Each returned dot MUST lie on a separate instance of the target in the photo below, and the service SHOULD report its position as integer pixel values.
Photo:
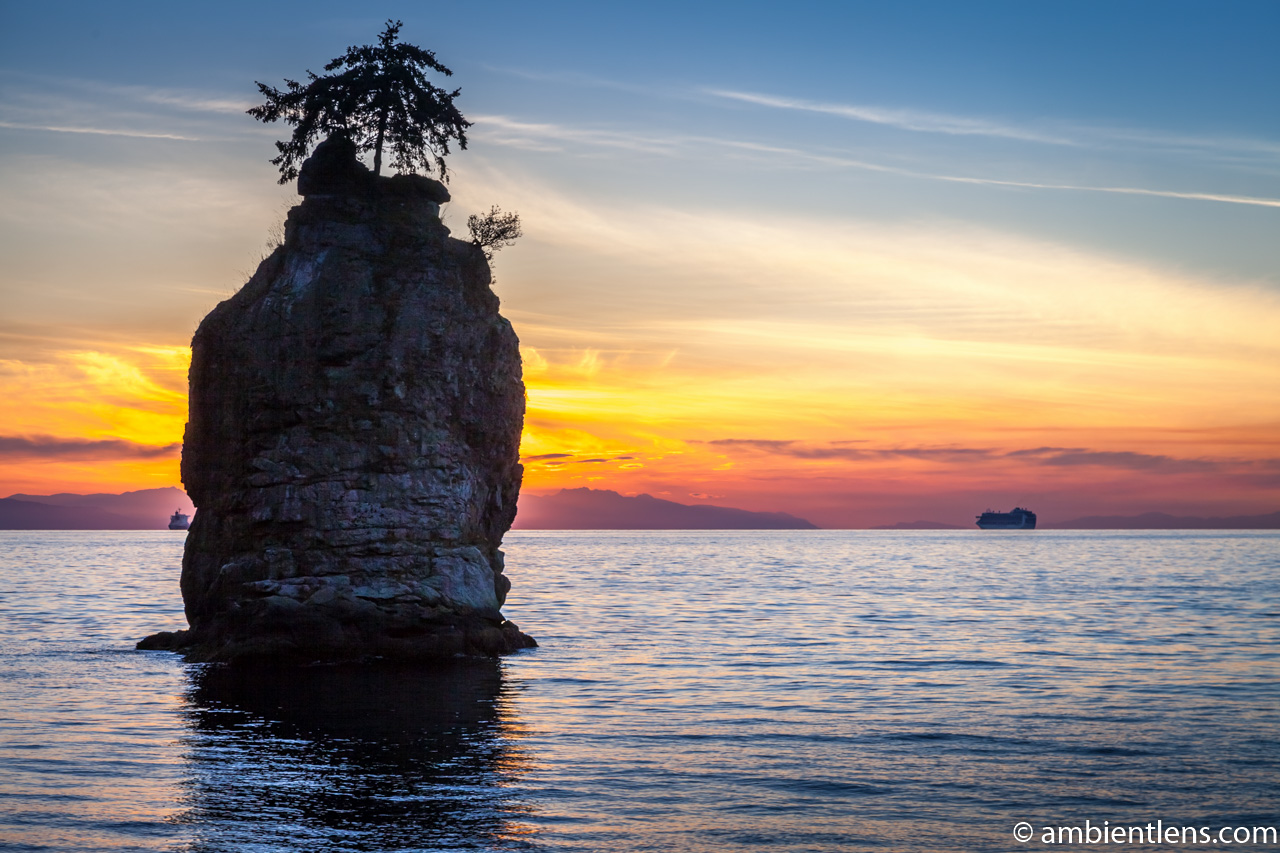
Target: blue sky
(703, 186)
(1166, 97)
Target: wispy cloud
(865, 165)
(1063, 132)
(101, 131)
(904, 119)
(189, 100)
(549, 136)
(562, 459)
(51, 104)
(842, 450)
(186, 99)
(1067, 133)
(846, 162)
(753, 443)
(51, 447)
(1222, 197)
(1151, 463)
(545, 136)
(1129, 460)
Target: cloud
(51, 447)
(862, 280)
(1054, 456)
(101, 131)
(1061, 133)
(186, 99)
(754, 443)
(1051, 133)
(601, 459)
(556, 459)
(864, 165)
(1220, 197)
(1128, 460)
(502, 130)
(191, 101)
(1043, 451)
(48, 104)
(553, 137)
(842, 450)
(904, 119)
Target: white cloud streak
(899, 118)
(38, 103)
(550, 137)
(183, 99)
(101, 131)
(1230, 199)
(189, 101)
(1066, 134)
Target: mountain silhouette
(603, 509)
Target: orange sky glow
(846, 421)
(852, 374)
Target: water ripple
(695, 691)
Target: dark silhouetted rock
(352, 445)
(332, 169)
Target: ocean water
(695, 691)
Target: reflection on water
(353, 759)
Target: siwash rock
(352, 447)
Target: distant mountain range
(601, 509)
(568, 509)
(147, 509)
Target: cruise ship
(1019, 519)
(179, 521)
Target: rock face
(352, 448)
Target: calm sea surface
(695, 691)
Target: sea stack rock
(352, 448)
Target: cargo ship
(179, 521)
(1019, 519)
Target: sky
(861, 262)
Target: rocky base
(314, 637)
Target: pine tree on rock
(379, 97)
